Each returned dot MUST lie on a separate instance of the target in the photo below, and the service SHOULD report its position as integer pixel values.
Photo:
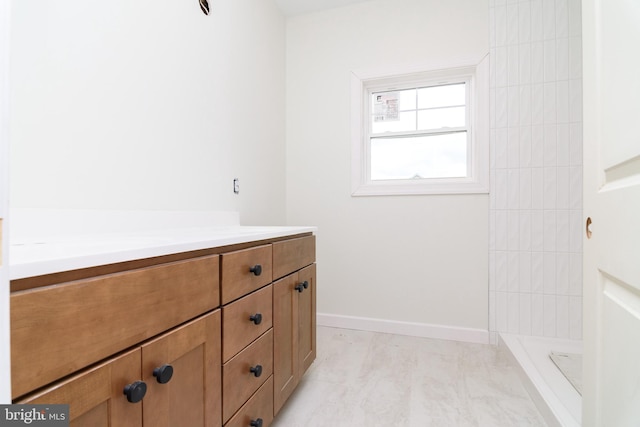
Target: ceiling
(299, 7)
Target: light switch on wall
(236, 185)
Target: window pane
(405, 122)
(442, 96)
(433, 156)
(406, 98)
(441, 118)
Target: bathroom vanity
(210, 330)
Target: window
(420, 133)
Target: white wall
(5, 371)
(419, 259)
(149, 105)
(536, 168)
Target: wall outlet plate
(236, 185)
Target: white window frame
(363, 82)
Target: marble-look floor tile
(370, 379)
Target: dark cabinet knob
(256, 423)
(163, 373)
(256, 269)
(256, 370)
(305, 284)
(256, 318)
(135, 391)
(300, 287)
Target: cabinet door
(285, 339)
(307, 318)
(96, 397)
(191, 396)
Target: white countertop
(36, 257)
(34, 252)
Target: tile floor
(371, 379)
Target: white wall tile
(575, 144)
(562, 273)
(513, 147)
(562, 145)
(501, 107)
(549, 313)
(502, 230)
(513, 232)
(492, 236)
(550, 60)
(513, 273)
(562, 191)
(492, 189)
(513, 62)
(525, 189)
(492, 107)
(492, 310)
(501, 66)
(513, 186)
(537, 315)
(537, 146)
(537, 21)
(525, 272)
(562, 317)
(525, 314)
(501, 189)
(562, 59)
(537, 62)
(576, 224)
(537, 104)
(562, 101)
(550, 230)
(575, 274)
(524, 66)
(492, 68)
(524, 22)
(575, 100)
(492, 148)
(513, 313)
(575, 318)
(500, 25)
(549, 190)
(549, 273)
(549, 113)
(562, 231)
(502, 160)
(575, 187)
(549, 19)
(492, 27)
(500, 3)
(525, 104)
(501, 271)
(537, 231)
(512, 24)
(575, 57)
(525, 230)
(501, 311)
(513, 105)
(562, 19)
(537, 188)
(575, 18)
(525, 146)
(537, 272)
(550, 145)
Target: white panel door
(611, 41)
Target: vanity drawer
(59, 329)
(259, 407)
(291, 255)
(245, 320)
(238, 381)
(245, 271)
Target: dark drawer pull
(256, 269)
(135, 391)
(256, 318)
(256, 423)
(163, 373)
(256, 370)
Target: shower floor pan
(553, 394)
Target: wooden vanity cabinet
(199, 340)
(294, 320)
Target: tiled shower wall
(535, 250)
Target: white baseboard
(423, 330)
